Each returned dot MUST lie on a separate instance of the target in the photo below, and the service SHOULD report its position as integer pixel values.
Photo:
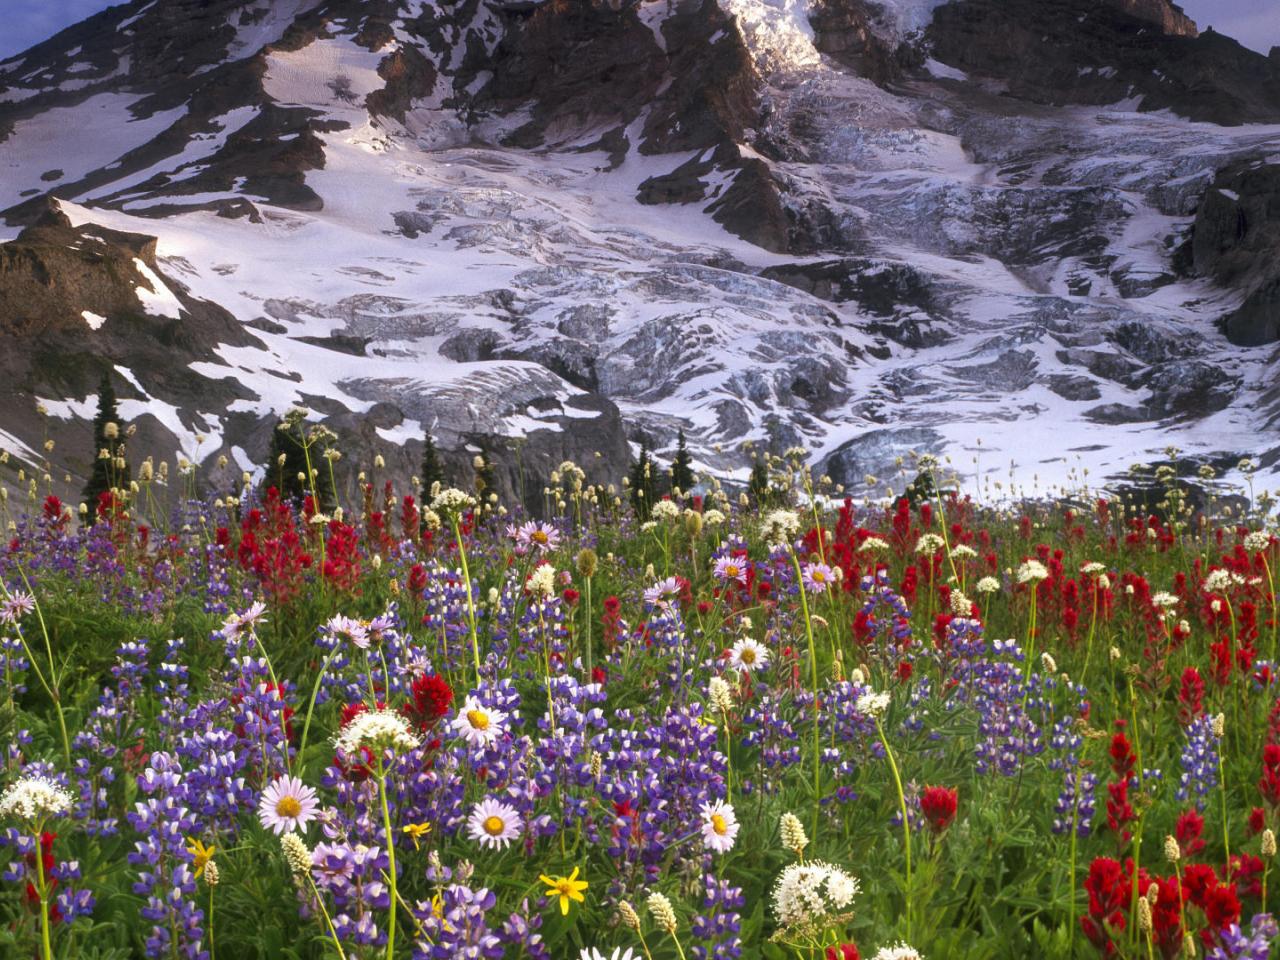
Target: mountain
(1039, 231)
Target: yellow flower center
(478, 719)
(747, 655)
(493, 826)
(563, 887)
(819, 576)
(538, 536)
(731, 571)
(719, 825)
(288, 806)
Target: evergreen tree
(432, 471)
(682, 467)
(110, 471)
(644, 485)
(758, 483)
(293, 442)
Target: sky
(1255, 23)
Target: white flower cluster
(929, 544)
(807, 893)
(873, 704)
(899, 951)
(452, 502)
(713, 518)
(781, 527)
(1257, 540)
(34, 798)
(1033, 571)
(987, 585)
(376, 730)
(665, 511)
(1219, 581)
(873, 545)
(542, 582)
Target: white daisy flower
(748, 654)
(719, 826)
(494, 823)
(479, 725)
(619, 953)
(288, 804)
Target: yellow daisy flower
(201, 855)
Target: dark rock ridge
(1236, 241)
(1082, 51)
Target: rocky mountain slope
(1039, 231)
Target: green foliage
(110, 469)
(299, 451)
(431, 472)
(682, 466)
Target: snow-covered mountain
(1039, 231)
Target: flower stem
(906, 822)
(391, 860)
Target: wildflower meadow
(774, 723)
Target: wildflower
(1257, 540)
(246, 622)
(987, 585)
(780, 528)
(1093, 567)
(16, 606)
(288, 804)
(1046, 660)
(899, 951)
(793, 836)
(479, 725)
(494, 823)
(416, 831)
(719, 826)
(296, 855)
(542, 582)
(353, 631)
(1218, 581)
(817, 577)
(661, 911)
(211, 873)
(873, 545)
(929, 544)
(201, 856)
(963, 551)
(749, 654)
(1165, 600)
(961, 605)
(587, 562)
(1032, 571)
(34, 798)
(628, 916)
(730, 568)
(665, 510)
(938, 804)
(619, 953)
(873, 704)
(806, 893)
(539, 536)
(1268, 843)
(1172, 852)
(720, 695)
(376, 730)
(713, 518)
(662, 593)
(566, 888)
(452, 502)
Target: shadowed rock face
(1078, 51)
(1236, 241)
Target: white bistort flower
(987, 585)
(494, 823)
(1032, 571)
(873, 704)
(899, 951)
(479, 725)
(806, 893)
(452, 502)
(542, 582)
(719, 826)
(376, 730)
(781, 527)
(929, 544)
(34, 798)
(665, 511)
(1257, 540)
